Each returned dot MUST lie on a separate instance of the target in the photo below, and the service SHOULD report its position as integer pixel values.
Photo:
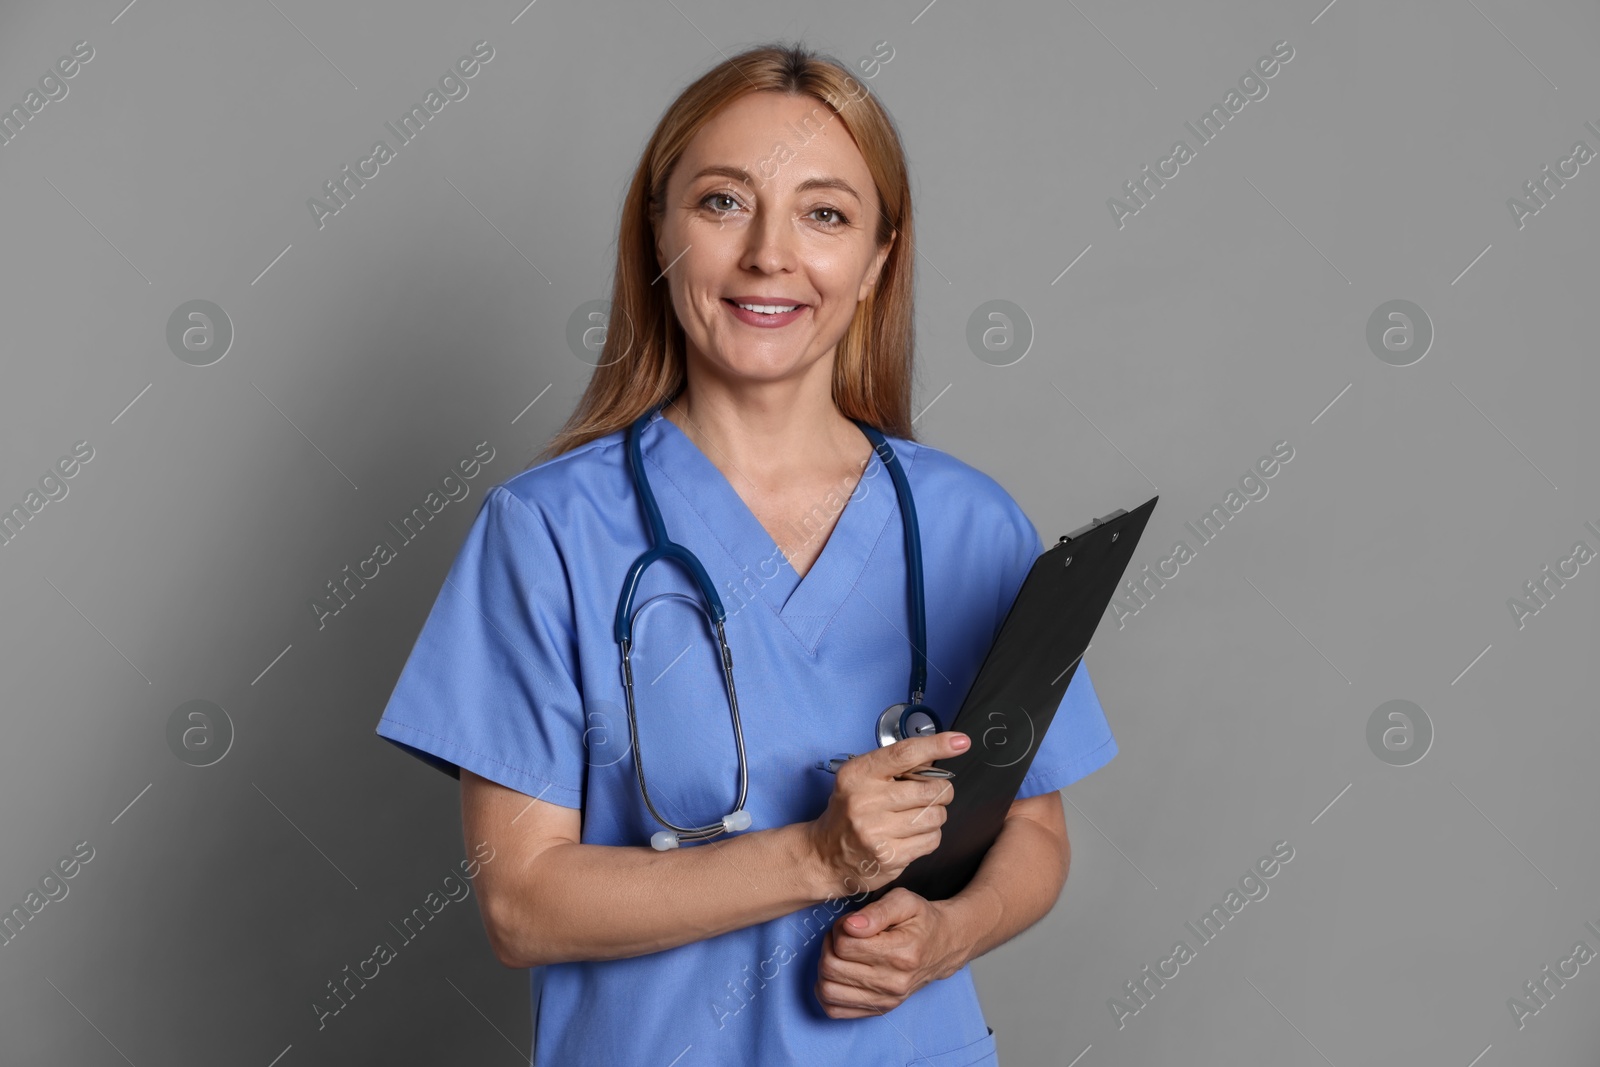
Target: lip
(747, 298)
(755, 318)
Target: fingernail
(856, 921)
(960, 741)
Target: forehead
(781, 137)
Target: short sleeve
(491, 682)
(1078, 743)
(1079, 739)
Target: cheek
(840, 299)
(697, 298)
(842, 274)
(687, 279)
(700, 273)
(696, 303)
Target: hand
(876, 824)
(906, 942)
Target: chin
(759, 372)
(756, 368)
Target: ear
(878, 261)
(657, 227)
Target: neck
(768, 433)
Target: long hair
(642, 360)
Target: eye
(836, 221)
(733, 203)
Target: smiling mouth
(765, 309)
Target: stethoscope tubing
(689, 833)
(913, 540)
(663, 547)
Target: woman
(762, 304)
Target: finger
(895, 906)
(883, 951)
(840, 948)
(860, 987)
(849, 1013)
(914, 793)
(869, 976)
(841, 1002)
(913, 752)
(892, 856)
(902, 852)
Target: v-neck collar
(805, 605)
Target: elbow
(516, 963)
(507, 948)
(1066, 862)
(525, 924)
(512, 936)
(511, 956)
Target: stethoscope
(898, 721)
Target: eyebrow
(739, 174)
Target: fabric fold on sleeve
(491, 683)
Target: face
(771, 204)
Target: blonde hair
(642, 361)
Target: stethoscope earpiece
(666, 840)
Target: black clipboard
(1017, 691)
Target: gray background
(1229, 314)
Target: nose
(769, 247)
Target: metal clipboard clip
(1101, 521)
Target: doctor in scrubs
(762, 301)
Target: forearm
(602, 902)
(1015, 886)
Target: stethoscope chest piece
(900, 721)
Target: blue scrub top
(516, 675)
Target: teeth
(769, 309)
